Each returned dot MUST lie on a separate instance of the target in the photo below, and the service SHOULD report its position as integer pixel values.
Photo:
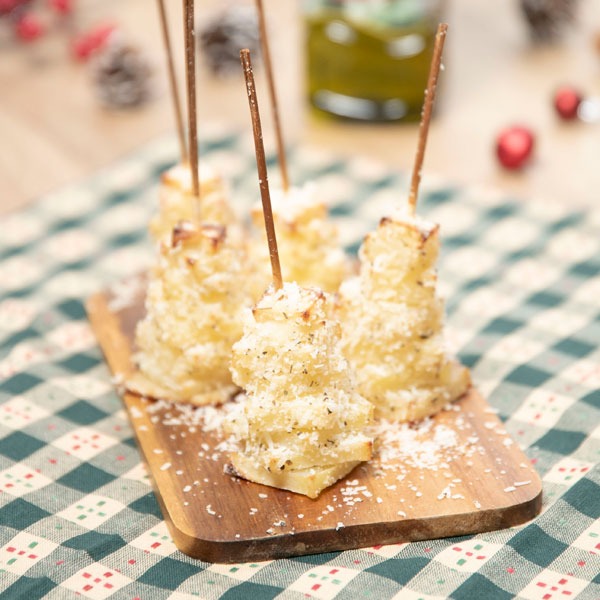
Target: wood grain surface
(456, 474)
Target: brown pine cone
(548, 18)
(121, 75)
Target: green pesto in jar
(369, 59)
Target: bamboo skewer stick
(434, 71)
(264, 44)
(261, 165)
(190, 72)
(173, 83)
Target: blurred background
(83, 83)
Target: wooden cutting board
(456, 474)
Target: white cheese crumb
(135, 412)
(339, 526)
(510, 488)
(166, 466)
(520, 483)
(209, 510)
(446, 493)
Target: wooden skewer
(261, 165)
(434, 71)
(190, 78)
(264, 44)
(173, 83)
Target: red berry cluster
(27, 24)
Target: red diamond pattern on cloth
(24, 551)
(20, 412)
(20, 479)
(468, 556)
(84, 443)
(96, 582)
(550, 585)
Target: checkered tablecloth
(77, 514)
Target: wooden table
(53, 130)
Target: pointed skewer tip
(430, 90)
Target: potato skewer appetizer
(391, 315)
(194, 300)
(308, 243)
(303, 425)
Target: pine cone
(121, 75)
(547, 18)
(222, 38)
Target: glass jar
(369, 59)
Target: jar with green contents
(369, 59)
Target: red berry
(95, 39)
(566, 102)
(64, 7)
(81, 48)
(514, 146)
(29, 28)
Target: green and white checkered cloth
(77, 514)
